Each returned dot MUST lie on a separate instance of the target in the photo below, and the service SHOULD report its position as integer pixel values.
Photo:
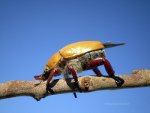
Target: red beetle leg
(73, 72)
(93, 65)
(52, 73)
(40, 77)
(101, 61)
(109, 68)
(119, 81)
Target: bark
(138, 78)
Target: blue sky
(33, 30)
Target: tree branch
(138, 78)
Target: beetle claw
(49, 90)
(76, 84)
(119, 81)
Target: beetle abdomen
(80, 63)
(85, 59)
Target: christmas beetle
(78, 57)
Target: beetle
(78, 57)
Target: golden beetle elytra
(77, 57)
(74, 50)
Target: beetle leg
(95, 63)
(39, 79)
(74, 74)
(111, 72)
(97, 72)
(101, 61)
(52, 73)
(108, 68)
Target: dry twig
(138, 78)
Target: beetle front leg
(39, 78)
(52, 73)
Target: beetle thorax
(79, 63)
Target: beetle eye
(46, 70)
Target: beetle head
(46, 71)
